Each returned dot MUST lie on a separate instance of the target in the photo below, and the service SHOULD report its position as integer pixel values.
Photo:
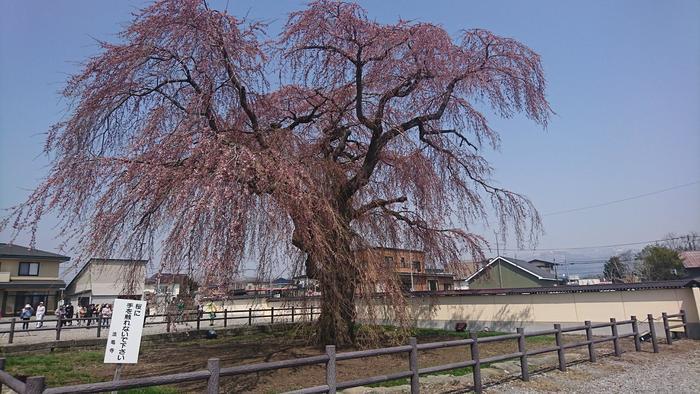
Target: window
(403, 263)
(388, 262)
(446, 286)
(416, 266)
(28, 269)
(163, 289)
(433, 285)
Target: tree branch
(378, 203)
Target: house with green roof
(507, 273)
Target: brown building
(691, 263)
(410, 266)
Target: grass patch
(60, 368)
(68, 368)
(435, 332)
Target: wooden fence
(213, 374)
(249, 316)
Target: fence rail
(214, 373)
(253, 316)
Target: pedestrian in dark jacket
(88, 314)
(69, 314)
(96, 313)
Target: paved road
(70, 333)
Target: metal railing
(213, 374)
(250, 316)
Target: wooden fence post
(524, 373)
(652, 332)
(59, 324)
(99, 327)
(34, 385)
(684, 320)
(199, 320)
(667, 330)
(589, 338)
(250, 316)
(413, 364)
(616, 338)
(225, 316)
(560, 348)
(12, 329)
(2, 368)
(213, 382)
(635, 330)
(477, 364)
(272, 315)
(312, 313)
(330, 369)
(292, 314)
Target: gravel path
(675, 369)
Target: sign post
(125, 330)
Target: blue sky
(624, 80)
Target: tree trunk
(337, 273)
(336, 325)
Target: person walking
(88, 315)
(180, 310)
(212, 312)
(25, 315)
(40, 312)
(81, 314)
(69, 314)
(95, 310)
(60, 316)
(106, 314)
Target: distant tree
(369, 134)
(682, 243)
(615, 269)
(660, 263)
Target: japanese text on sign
(125, 331)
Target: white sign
(125, 331)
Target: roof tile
(691, 259)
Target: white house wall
(111, 278)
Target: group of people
(65, 315)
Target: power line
(593, 247)
(621, 200)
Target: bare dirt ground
(166, 358)
(193, 356)
(676, 369)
